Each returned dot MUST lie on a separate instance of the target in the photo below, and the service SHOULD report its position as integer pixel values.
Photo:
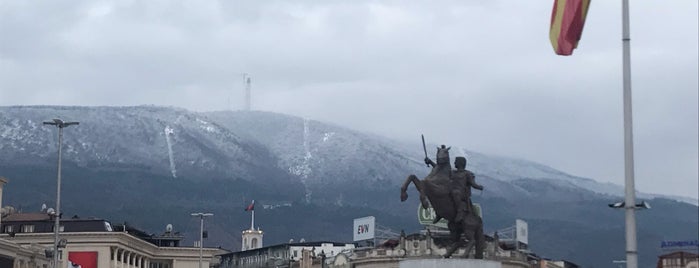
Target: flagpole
(630, 196)
(252, 222)
(252, 217)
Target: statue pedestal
(449, 263)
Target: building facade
(13, 255)
(678, 259)
(94, 242)
(418, 246)
(115, 250)
(284, 255)
(252, 239)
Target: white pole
(56, 228)
(252, 222)
(57, 224)
(630, 197)
(201, 216)
(201, 238)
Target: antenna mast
(246, 77)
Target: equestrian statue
(449, 193)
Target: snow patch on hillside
(169, 131)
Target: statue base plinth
(449, 263)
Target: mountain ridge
(175, 119)
(477, 162)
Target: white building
(282, 255)
(252, 239)
(115, 249)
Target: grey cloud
(480, 74)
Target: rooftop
(26, 217)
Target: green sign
(426, 216)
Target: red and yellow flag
(567, 21)
(251, 206)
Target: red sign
(82, 259)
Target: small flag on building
(251, 206)
(567, 21)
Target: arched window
(254, 243)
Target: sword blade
(424, 148)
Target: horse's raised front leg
(404, 188)
(418, 185)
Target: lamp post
(201, 216)
(60, 124)
(631, 254)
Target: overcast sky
(479, 74)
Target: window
(28, 228)
(254, 243)
(8, 229)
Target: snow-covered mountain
(167, 141)
(318, 152)
(322, 157)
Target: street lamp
(201, 216)
(642, 205)
(631, 255)
(60, 125)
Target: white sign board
(364, 228)
(426, 216)
(522, 231)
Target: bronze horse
(437, 187)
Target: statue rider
(463, 180)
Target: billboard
(364, 228)
(425, 216)
(82, 259)
(522, 231)
(689, 245)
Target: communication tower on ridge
(248, 100)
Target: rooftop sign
(364, 228)
(680, 244)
